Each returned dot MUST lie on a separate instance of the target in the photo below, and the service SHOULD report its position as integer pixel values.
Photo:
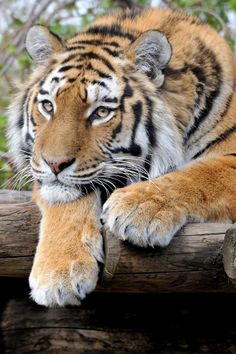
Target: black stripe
(199, 73)
(33, 121)
(72, 79)
(30, 94)
(28, 138)
(94, 42)
(110, 99)
(133, 150)
(113, 53)
(147, 164)
(128, 92)
(26, 151)
(220, 138)
(43, 92)
(116, 130)
(204, 112)
(66, 68)
(113, 30)
(234, 154)
(70, 57)
(75, 47)
(223, 114)
(79, 67)
(85, 95)
(84, 80)
(149, 126)
(175, 73)
(151, 133)
(56, 79)
(20, 120)
(100, 83)
(137, 111)
(91, 55)
(56, 36)
(206, 54)
(99, 72)
(113, 43)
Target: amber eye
(47, 106)
(102, 112)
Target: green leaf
(11, 48)
(18, 22)
(233, 4)
(24, 60)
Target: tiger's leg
(150, 213)
(70, 246)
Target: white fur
(56, 193)
(168, 154)
(62, 291)
(96, 94)
(141, 138)
(15, 134)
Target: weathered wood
(109, 323)
(192, 262)
(229, 253)
(12, 196)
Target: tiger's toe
(142, 219)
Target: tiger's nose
(58, 165)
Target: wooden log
(229, 253)
(191, 263)
(164, 324)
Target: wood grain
(229, 253)
(163, 324)
(192, 262)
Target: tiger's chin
(58, 193)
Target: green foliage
(3, 120)
(11, 48)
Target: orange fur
(66, 259)
(178, 109)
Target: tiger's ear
(151, 52)
(42, 43)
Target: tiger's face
(87, 117)
(78, 137)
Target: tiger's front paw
(61, 277)
(143, 214)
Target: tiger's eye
(47, 106)
(102, 112)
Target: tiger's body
(145, 97)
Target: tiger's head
(90, 115)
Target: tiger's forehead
(89, 83)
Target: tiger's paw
(143, 215)
(65, 278)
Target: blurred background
(66, 17)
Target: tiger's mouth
(67, 186)
(62, 191)
(58, 193)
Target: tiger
(129, 125)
